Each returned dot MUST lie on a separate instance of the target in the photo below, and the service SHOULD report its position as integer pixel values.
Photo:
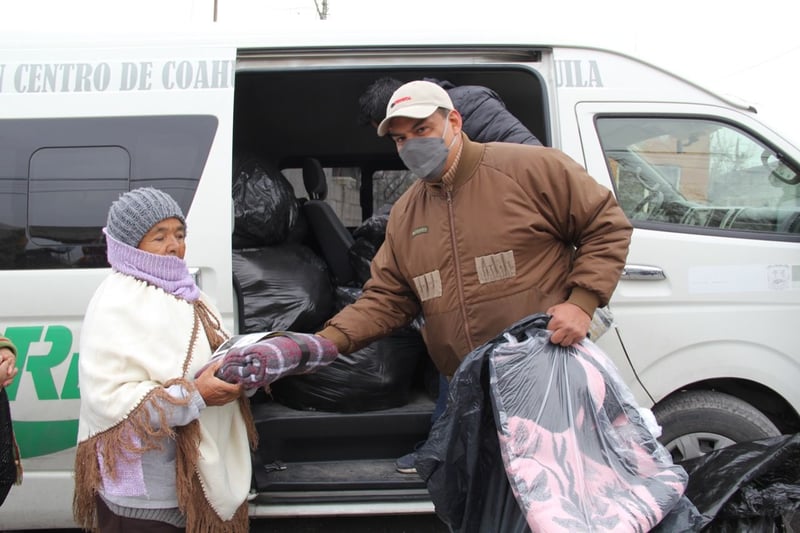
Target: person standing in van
(10, 464)
(484, 115)
(157, 449)
(489, 234)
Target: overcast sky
(748, 49)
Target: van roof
(331, 35)
(311, 33)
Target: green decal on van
(44, 437)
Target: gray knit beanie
(137, 211)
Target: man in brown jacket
(489, 234)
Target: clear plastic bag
(576, 452)
(602, 320)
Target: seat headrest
(314, 179)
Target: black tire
(698, 422)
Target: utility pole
(323, 12)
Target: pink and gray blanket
(575, 452)
(556, 432)
(258, 359)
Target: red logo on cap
(400, 100)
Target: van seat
(332, 236)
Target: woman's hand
(214, 390)
(8, 367)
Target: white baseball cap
(415, 99)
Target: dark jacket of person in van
(485, 116)
(509, 231)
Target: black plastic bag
(284, 287)
(378, 376)
(344, 296)
(373, 229)
(749, 487)
(265, 208)
(360, 255)
(368, 237)
(462, 452)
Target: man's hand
(214, 390)
(569, 324)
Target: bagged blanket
(577, 452)
(575, 449)
(258, 359)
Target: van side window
(341, 191)
(83, 178)
(59, 176)
(699, 175)
(388, 186)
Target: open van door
(708, 301)
(80, 124)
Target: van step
(334, 476)
(297, 437)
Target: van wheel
(695, 423)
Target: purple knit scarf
(166, 272)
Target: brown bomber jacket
(516, 230)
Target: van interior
(302, 125)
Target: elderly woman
(158, 450)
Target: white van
(703, 314)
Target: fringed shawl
(137, 340)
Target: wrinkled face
(165, 238)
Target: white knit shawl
(136, 337)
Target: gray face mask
(426, 156)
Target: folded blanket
(256, 360)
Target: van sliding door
(82, 124)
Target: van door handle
(642, 273)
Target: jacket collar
(471, 155)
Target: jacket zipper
(457, 265)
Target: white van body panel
(716, 307)
(730, 333)
(43, 82)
